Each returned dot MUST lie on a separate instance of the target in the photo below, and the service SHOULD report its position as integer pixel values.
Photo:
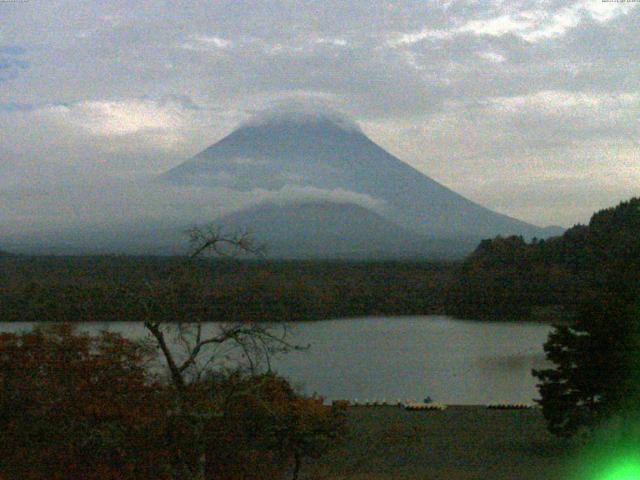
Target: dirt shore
(459, 443)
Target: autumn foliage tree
(77, 406)
(267, 430)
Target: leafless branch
(212, 239)
(257, 342)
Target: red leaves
(267, 425)
(75, 406)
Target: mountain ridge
(318, 151)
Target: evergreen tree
(597, 359)
(597, 363)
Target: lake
(452, 361)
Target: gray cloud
(495, 99)
(302, 108)
(11, 61)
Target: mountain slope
(335, 230)
(317, 151)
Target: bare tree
(256, 342)
(190, 358)
(197, 348)
(212, 239)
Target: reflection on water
(538, 360)
(452, 361)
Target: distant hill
(335, 230)
(329, 157)
(148, 236)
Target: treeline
(128, 288)
(511, 277)
(504, 278)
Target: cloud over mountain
(475, 94)
(302, 150)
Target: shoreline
(459, 443)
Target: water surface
(452, 361)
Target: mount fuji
(348, 197)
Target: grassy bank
(460, 443)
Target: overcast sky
(530, 108)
